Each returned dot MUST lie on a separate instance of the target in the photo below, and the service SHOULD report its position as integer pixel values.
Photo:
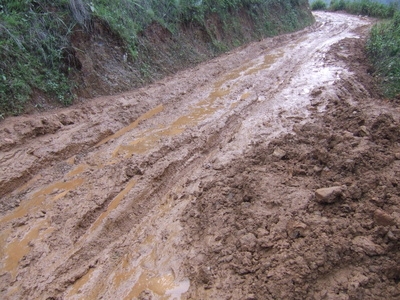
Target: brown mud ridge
(271, 172)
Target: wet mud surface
(271, 172)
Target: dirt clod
(329, 194)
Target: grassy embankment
(36, 47)
(383, 45)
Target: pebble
(329, 194)
(132, 171)
(363, 131)
(279, 153)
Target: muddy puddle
(85, 228)
(218, 99)
(153, 273)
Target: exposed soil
(271, 172)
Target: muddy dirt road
(207, 185)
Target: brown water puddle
(199, 112)
(18, 248)
(28, 184)
(113, 204)
(299, 41)
(75, 290)
(15, 250)
(133, 125)
(202, 110)
(78, 170)
(36, 201)
(268, 61)
(158, 284)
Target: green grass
(319, 5)
(364, 7)
(31, 41)
(383, 45)
(35, 36)
(383, 49)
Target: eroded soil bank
(269, 173)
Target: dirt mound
(266, 229)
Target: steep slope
(56, 52)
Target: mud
(271, 172)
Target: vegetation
(383, 48)
(35, 35)
(319, 5)
(364, 7)
(372, 8)
(383, 45)
(32, 38)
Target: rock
(248, 242)
(217, 165)
(363, 131)
(397, 155)
(9, 141)
(366, 245)
(329, 195)
(251, 297)
(383, 219)
(132, 171)
(317, 169)
(279, 153)
(261, 98)
(316, 92)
